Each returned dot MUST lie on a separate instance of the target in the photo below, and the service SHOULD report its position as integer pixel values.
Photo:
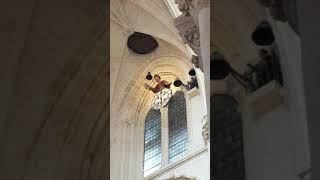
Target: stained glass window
(178, 134)
(152, 142)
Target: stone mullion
(164, 137)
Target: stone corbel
(205, 130)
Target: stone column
(201, 15)
(164, 137)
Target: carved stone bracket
(189, 33)
(205, 129)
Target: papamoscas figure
(162, 92)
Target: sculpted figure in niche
(162, 84)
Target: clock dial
(161, 98)
(166, 95)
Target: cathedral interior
(159, 90)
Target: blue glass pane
(178, 133)
(152, 142)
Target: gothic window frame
(164, 111)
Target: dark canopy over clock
(142, 43)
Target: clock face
(165, 96)
(161, 98)
(156, 102)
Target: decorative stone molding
(188, 27)
(205, 129)
(189, 33)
